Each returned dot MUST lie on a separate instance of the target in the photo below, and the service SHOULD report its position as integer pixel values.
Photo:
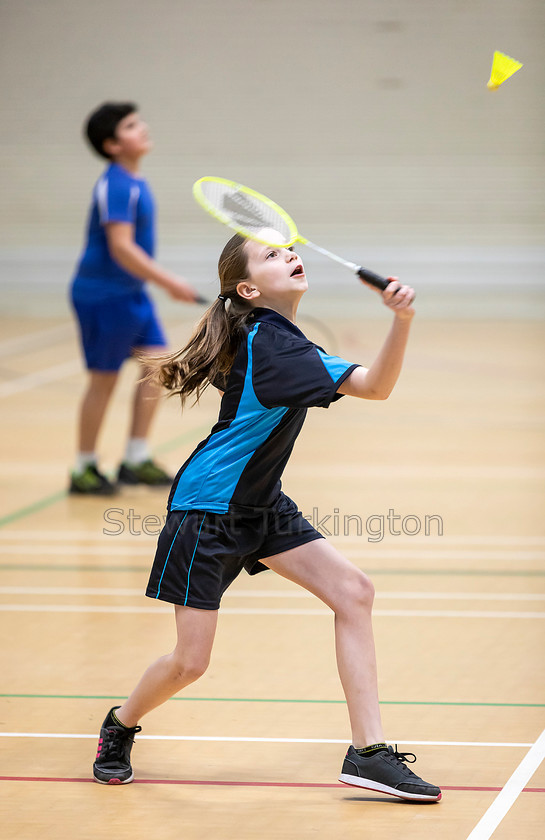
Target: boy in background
(115, 314)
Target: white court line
(404, 541)
(418, 472)
(368, 551)
(40, 377)
(372, 550)
(35, 340)
(105, 550)
(510, 791)
(32, 470)
(68, 536)
(243, 739)
(276, 593)
(435, 543)
(159, 610)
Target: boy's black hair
(102, 123)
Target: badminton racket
(251, 215)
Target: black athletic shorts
(199, 554)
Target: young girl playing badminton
(226, 510)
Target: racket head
(246, 211)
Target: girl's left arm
(377, 382)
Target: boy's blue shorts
(111, 329)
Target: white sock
(83, 460)
(137, 451)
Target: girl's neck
(288, 309)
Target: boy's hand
(180, 290)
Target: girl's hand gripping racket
(249, 213)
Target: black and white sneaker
(148, 472)
(385, 771)
(113, 761)
(91, 482)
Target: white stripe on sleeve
(133, 200)
(102, 199)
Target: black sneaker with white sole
(386, 771)
(113, 761)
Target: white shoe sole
(114, 781)
(369, 784)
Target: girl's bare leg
(169, 674)
(322, 570)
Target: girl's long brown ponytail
(209, 354)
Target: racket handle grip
(373, 279)
(202, 300)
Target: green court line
(59, 567)
(34, 508)
(28, 510)
(275, 700)
(168, 445)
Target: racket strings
(244, 212)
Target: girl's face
(275, 272)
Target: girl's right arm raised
(377, 382)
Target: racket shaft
(331, 256)
(369, 276)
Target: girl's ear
(247, 291)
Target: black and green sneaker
(385, 771)
(148, 472)
(112, 764)
(91, 482)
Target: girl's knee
(358, 591)
(365, 591)
(186, 671)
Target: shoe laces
(117, 740)
(402, 758)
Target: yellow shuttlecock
(503, 66)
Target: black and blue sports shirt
(276, 376)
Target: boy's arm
(377, 382)
(125, 251)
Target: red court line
(240, 784)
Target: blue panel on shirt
(276, 376)
(334, 365)
(210, 479)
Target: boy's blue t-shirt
(118, 196)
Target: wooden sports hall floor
(254, 748)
